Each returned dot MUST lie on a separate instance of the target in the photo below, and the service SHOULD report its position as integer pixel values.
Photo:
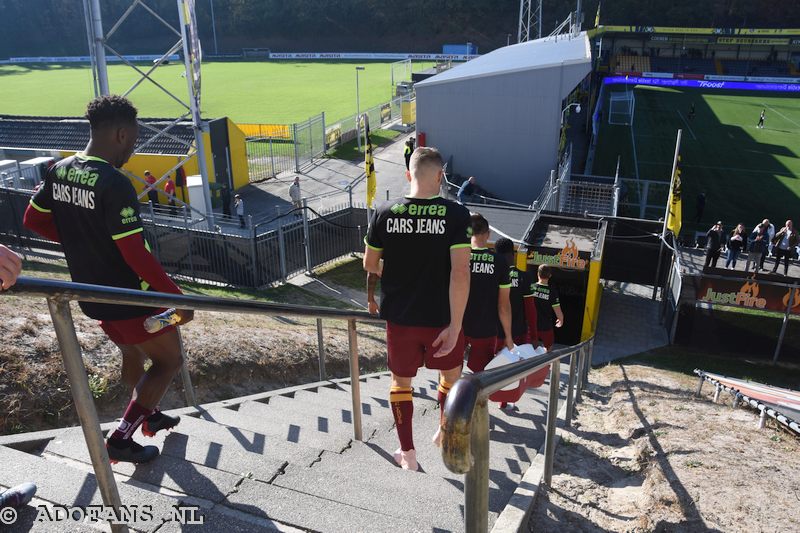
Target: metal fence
(583, 194)
(645, 199)
(284, 147)
(381, 115)
(255, 257)
(20, 178)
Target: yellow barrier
(408, 110)
(275, 131)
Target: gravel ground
(645, 455)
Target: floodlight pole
(98, 44)
(358, 111)
(189, 53)
(214, 27)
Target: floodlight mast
(530, 20)
(97, 51)
(189, 42)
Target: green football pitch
(747, 173)
(254, 92)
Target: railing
(60, 293)
(465, 443)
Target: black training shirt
(546, 298)
(520, 287)
(93, 205)
(416, 236)
(488, 274)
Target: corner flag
(674, 211)
(369, 168)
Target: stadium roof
(70, 134)
(531, 55)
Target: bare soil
(227, 356)
(645, 455)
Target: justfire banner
(750, 294)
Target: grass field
(259, 92)
(747, 173)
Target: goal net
(621, 108)
(400, 71)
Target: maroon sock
(403, 411)
(444, 388)
(134, 415)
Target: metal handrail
(465, 442)
(59, 294)
(49, 288)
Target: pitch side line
(781, 114)
(687, 124)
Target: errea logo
(61, 172)
(128, 215)
(399, 209)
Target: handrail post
(573, 364)
(476, 481)
(587, 364)
(355, 383)
(186, 378)
(552, 414)
(323, 375)
(306, 236)
(579, 375)
(282, 250)
(84, 404)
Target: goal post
(400, 71)
(621, 108)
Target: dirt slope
(644, 455)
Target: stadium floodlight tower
(530, 20)
(189, 42)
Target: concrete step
(193, 454)
(310, 512)
(281, 425)
(389, 491)
(269, 448)
(323, 417)
(61, 484)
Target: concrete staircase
(284, 461)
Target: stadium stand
(630, 63)
(683, 64)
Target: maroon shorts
(411, 348)
(548, 337)
(481, 351)
(131, 330)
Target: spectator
(758, 246)
(737, 241)
(295, 194)
(771, 235)
(700, 206)
(152, 193)
(238, 205)
(169, 188)
(713, 245)
(408, 149)
(784, 244)
(466, 189)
